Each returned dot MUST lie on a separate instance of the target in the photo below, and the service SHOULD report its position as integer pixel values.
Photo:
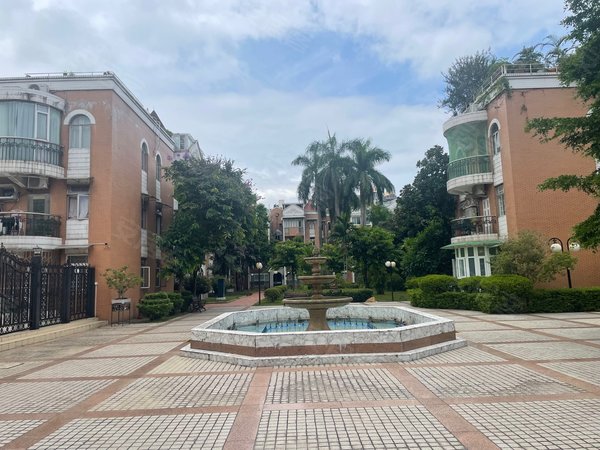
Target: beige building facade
(81, 176)
(496, 167)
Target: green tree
(364, 177)
(380, 216)
(216, 214)
(421, 254)
(529, 256)
(290, 254)
(464, 80)
(580, 134)
(369, 248)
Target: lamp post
(556, 246)
(390, 266)
(259, 266)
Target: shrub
(565, 300)
(444, 300)
(155, 307)
(358, 295)
(504, 294)
(275, 294)
(470, 284)
(434, 284)
(187, 297)
(177, 301)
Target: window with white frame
(145, 274)
(473, 261)
(144, 157)
(500, 200)
(495, 139)
(79, 132)
(78, 202)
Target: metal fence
(33, 295)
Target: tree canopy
(580, 134)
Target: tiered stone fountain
(270, 336)
(317, 305)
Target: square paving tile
(584, 370)
(10, 368)
(548, 350)
(180, 364)
(488, 381)
(542, 323)
(570, 315)
(157, 348)
(92, 368)
(188, 431)
(46, 396)
(478, 326)
(508, 317)
(568, 424)
(334, 385)
(353, 428)
(43, 352)
(158, 337)
(502, 336)
(462, 355)
(180, 392)
(591, 321)
(12, 429)
(586, 333)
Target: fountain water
(241, 337)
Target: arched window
(79, 132)
(495, 138)
(144, 157)
(158, 167)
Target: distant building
(81, 164)
(496, 166)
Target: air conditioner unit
(8, 192)
(37, 182)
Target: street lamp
(390, 266)
(556, 246)
(259, 266)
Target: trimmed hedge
(565, 300)
(504, 294)
(444, 300)
(155, 306)
(177, 300)
(358, 295)
(434, 284)
(275, 293)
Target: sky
(257, 81)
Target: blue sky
(258, 80)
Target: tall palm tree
(369, 182)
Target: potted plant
(121, 280)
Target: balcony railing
(473, 226)
(469, 166)
(29, 224)
(24, 149)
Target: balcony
(465, 173)
(28, 229)
(31, 157)
(477, 228)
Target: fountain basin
(424, 335)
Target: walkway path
(524, 381)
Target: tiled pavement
(524, 381)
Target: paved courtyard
(524, 381)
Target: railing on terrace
(29, 224)
(473, 226)
(469, 166)
(25, 149)
(517, 70)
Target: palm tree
(366, 179)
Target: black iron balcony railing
(473, 226)
(29, 224)
(469, 166)
(25, 149)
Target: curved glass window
(144, 157)
(79, 132)
(29, 120)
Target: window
(500, 200)
(41, 122)
(144, 221)
(158, 167)
(495, 139)
(157, 274)
(158, 220)
(77, 259)
(39, 204)
(79, 132)
(145, 274)
(144, 157)
(29, 120)
(472, 261)
(181, 142)
(78, 202)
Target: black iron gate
(33, 295)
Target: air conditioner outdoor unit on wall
(8, 192)
(37, 182)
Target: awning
(490, 243)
